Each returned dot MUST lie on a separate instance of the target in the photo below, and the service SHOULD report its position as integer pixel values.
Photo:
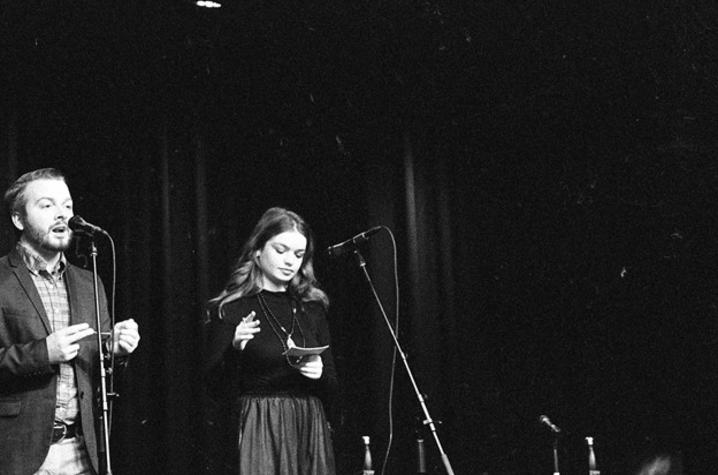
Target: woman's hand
(245, 331)
(311, 366)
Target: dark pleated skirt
(284, 435)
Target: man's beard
(44, 240)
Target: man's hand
(126, 337)
(62, 345)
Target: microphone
(79, 225)
(342, 247)
(543, 419)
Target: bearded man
(49, 361)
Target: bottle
(592, 469)
(420, 456)
(367, 470)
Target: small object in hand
(249, 317)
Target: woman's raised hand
(245, 331)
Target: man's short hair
(15, 194)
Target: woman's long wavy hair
(246, 277)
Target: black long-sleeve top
(261, 367)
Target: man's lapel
(27, 284)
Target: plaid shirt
(51, 286)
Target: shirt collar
(36, 263)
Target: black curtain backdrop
(547, 169)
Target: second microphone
(349, 244)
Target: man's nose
(63, 212)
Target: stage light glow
(208, 4)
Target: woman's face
(280, 259)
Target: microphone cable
(113, 292)
(390, 437)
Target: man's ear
(17, 221)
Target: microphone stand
(555, 455)
(104, 445)
(428, 421)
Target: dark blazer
(27, 380)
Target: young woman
(270, 304)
